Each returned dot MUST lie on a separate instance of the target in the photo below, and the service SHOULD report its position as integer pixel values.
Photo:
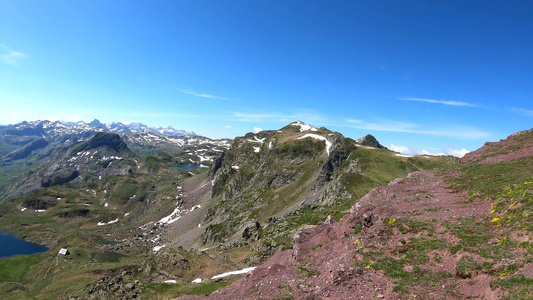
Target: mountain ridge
(463, 233)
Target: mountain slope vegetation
(321, 210)
(460, 234)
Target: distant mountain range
(29, 144)
(116, 127)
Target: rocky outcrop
(274, 173)
(370, 141)
(111, 141)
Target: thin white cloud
(306, 116)
(257, 129)
(10, 57)
(444, 102)
(228, 126)
(164, 115)
(457, 152)
(395, 126)
(401, 149)
(413, 151)
(201, 95)
(523, 111)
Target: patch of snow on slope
(304, 126)
(173, 217)
(257, 149)
(404, 155)
(318, 137)
(110, 222)
(243, 271)
(157, 248)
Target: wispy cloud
(9, 56)
(444, 102)
(306, 116)
(523, 111)
(201, 95)
(164, 115)
(395, 126)
(443, 151)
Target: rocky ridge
(429, 235)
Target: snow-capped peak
(304, 126)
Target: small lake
(189, 167)
(11, 245)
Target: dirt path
(327, 260)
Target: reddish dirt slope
(415, 238)
(516, 146)
(323, 262)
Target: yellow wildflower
(368, 267)
(495, 219)
(392, 221)
(357, 242)
(492, 211)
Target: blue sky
(421, 76)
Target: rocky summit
(295, 213)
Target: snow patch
(197, 280)
(173, 217)
(157, 248)
(304, 126)
(404, 155)
(257, 149)
(110, 222)
(235, 167)
(318, 137)
(260, 140)
(172, 281)
(243, 271)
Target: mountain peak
(371, 141)
(303, 126)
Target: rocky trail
(337, 260)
